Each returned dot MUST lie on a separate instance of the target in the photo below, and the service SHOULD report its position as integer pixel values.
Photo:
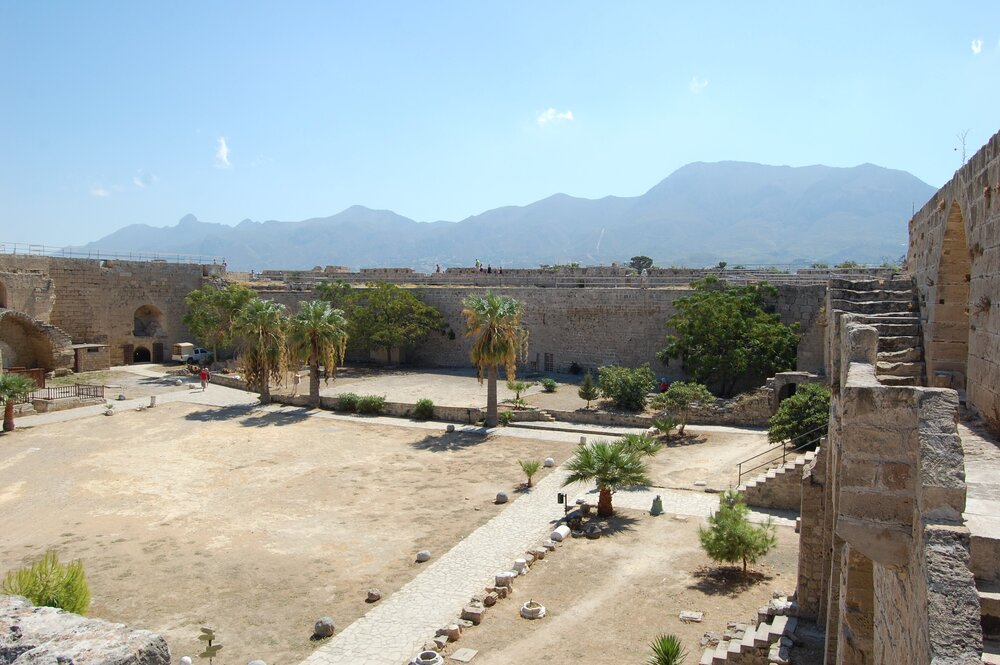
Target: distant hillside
(701, 214)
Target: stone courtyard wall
(954, 256)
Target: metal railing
(64, 392)
(774, 456)
(27, 249)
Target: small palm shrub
(505, 418)
(549, 385)
(666, 650)
(347, 402)
(371, 405)
(51, 584)
(424, 410)
(530, 468)
(665, 425)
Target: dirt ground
(252, 522)
(606, 599)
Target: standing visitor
(204, 376)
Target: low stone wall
(30, 634)
(50, 405)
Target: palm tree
(261, 329)
(12, 388)
(318, 333)
(495, 322)
(612, 466)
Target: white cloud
(143, 179)
(222, 154)
(100, 192)
(977, 46)
(550, 115)
(697, 84)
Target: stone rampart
(954, 256)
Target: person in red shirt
(204, 376)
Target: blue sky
(115, 113)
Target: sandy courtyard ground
(253, 522)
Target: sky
(114, 113)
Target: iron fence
(64, 392)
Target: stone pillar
(813, 560)
(857, 609)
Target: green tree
(680, 397)
(731, 538)
(587, 389)
(211, 311)
(722, 333)
(318, 335)
(666, 650)
(13, 387)
(385, 316)
(49, 583)
(261, 329)
(803, 417)
(612, 466)
(642, 445)
(640, 263)
(339, 294)
(530, 467)
(495, 324)
(626, 387)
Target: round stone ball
(502, 497)
(324, 627)
(423, 555)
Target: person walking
(204, 376)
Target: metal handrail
(785, 451)
(28, 249)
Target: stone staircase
(779, 487)
(891, 307)
(768, 643)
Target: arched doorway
(141, 355)
(948, 325)
(147, 321)
(25, 343)
(786, 391)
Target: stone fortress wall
(954, 258)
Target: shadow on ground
(677, 441)
(449, 441)
(727, 580)
(252, 415)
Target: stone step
(991, 651)
(989, 608)
(707, 656)
(898, 327)
(721, 655)
(900, 369)
(873, 306)
(890, 343)
(890, 380)
(911, 355)
(898, 284)
(746, 644)
(854, 295)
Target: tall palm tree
(12, 388)
(495, 322)
(612, 466)
(318, 334)
(261, 330)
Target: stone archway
(147, 321)
(25, 343)
(141, 355)
(948, 322)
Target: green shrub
(549, 385)
(665, 425)
(371, 405)
(530, 468)
(50, 583)
(730, 536)
(587, 389)
(666, 650)
(681, 397)
(802, 418)
(625, 386)
(505, 418)
(424, 410)
(347, 402)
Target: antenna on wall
(961, 139)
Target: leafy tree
(318, 334)
(339, 294)
(587, 389)
(211, 311)
(495, 323)
(848, 264)
(680, 397)
(424, 409)
(13, 387)
(530, 468)
(722, 333)
(666, 650)
(612, 466)
(386, 316)
(261, 329)
(803, 417)
(625, 386)
(731, 538)
(49, 583)
(640, 263)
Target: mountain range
(701, 214)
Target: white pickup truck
(186, 352)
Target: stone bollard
(453, 631)
(505, 579)
(549, 462)
(521, 566)
(152, 401)
(583, 440)
(560, 533)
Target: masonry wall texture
(954, 256)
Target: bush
(665, 425)
(424, 410)
(587, 389)
(666, 650)
(680, 397)
(505, 418)
(371, 405)
(549, 385)
(530, 468)
(626, 387)
(348, 402)
(51, 584)
(731, 537)
(802, 418)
